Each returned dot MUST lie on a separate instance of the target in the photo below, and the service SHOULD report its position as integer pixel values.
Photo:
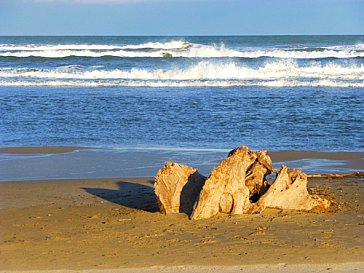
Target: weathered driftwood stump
(177, 187)
(237, 185)
(289, 191)
(225, 189)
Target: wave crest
(203, 73)
(203, 70)
(177, 48)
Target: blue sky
(181, 17)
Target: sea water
(267, 92)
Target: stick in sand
(336, 175)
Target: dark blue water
(275, 119)
(276, 93)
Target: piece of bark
(289, 191)
(177, 187)
(256, 174)
(225, 190)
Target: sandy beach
(160, 136)
(113, 225)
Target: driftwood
(331, 175)
(336, 175)
(225, 190)
(289, 191)
(256, 174)
(237, 185)
(177, 187)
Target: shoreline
(283, 154)
(103, 224)
(57, 162)
(41, 149)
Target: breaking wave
(150, 45)
(202, 70)
(274, 83)
(204, 73)
(177, 48)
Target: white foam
(35, 47)
(175, 44)
(354, 47)
(204, 70)
(177, 48)
(179, 44)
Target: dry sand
(114, 224)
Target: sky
(181, 17)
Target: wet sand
(40, 150)
(45, 163)
(356, 158)
(114, 223)
(353, 160)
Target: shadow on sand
(131, 195)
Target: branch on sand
(336, 175)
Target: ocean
(266, 92)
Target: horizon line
(168, 35)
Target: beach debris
(225, 189)
(336, 175)
(289, 191)
(238, 185)
(177, 187)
